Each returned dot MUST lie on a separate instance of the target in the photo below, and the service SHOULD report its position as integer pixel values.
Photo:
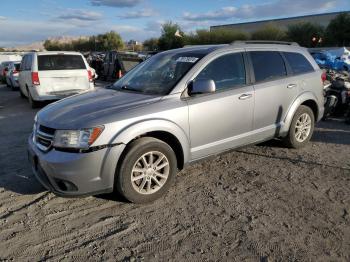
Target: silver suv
(176, 107)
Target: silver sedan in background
(12, 74)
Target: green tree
(219, 36)
(51, 45)
(2, 49)
(151, 44)
(168, 40)
(109, 41)
(269, 32)
(338, 31)
(306, 34)
(102, 42)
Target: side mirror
(201, 86)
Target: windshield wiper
(129, 88)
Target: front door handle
(245, 96)
(291, 85)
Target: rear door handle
(291, 85)
(245, 96)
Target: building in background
(282, 23)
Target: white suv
(175, 108)
(53, 75)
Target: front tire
(301, 128)
(147, 171)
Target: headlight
(79, 139)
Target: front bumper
(75, 174)
(47, 96)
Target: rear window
(268, 65)
(17, 66)
(129, 64)
(60, 62)
(298, 63)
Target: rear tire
(21, 93)
(301, 128)
(12, 86)
(34, 104)
(154, 163)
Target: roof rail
(209, 45)
(265, 42)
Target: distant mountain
(39, 46)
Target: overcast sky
(27, 21)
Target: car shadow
(331, 131)
(22, 184)
(116, 197)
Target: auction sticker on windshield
(184, 59)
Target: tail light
(119, 74)
(35, 78)
(324, 77)
(90, 76)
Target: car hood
(91, 109)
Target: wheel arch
(307, 99)
(163, 130)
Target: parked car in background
(175, 108)
(4, 70)
(116, 64)
(5, 58)
(53, 75)
(8, 56)
(12, 75)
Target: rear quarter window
(22, 63)
(60, 62)
(28, 63)
(298, 63)
(268, 65)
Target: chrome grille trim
(42, 139)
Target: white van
(9, 57)
(53, 75)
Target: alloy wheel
(150, 172)
(303, 127)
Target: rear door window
(268, 65)
(24, 59)
(227, 71)
(28, 63)
(298, 63)
(60, 62)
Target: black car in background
(116, 64)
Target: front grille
(44, 137)
(47, 130)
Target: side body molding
(136, 129)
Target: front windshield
(159, 74)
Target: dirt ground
(260, 203)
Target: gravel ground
(260, 203)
